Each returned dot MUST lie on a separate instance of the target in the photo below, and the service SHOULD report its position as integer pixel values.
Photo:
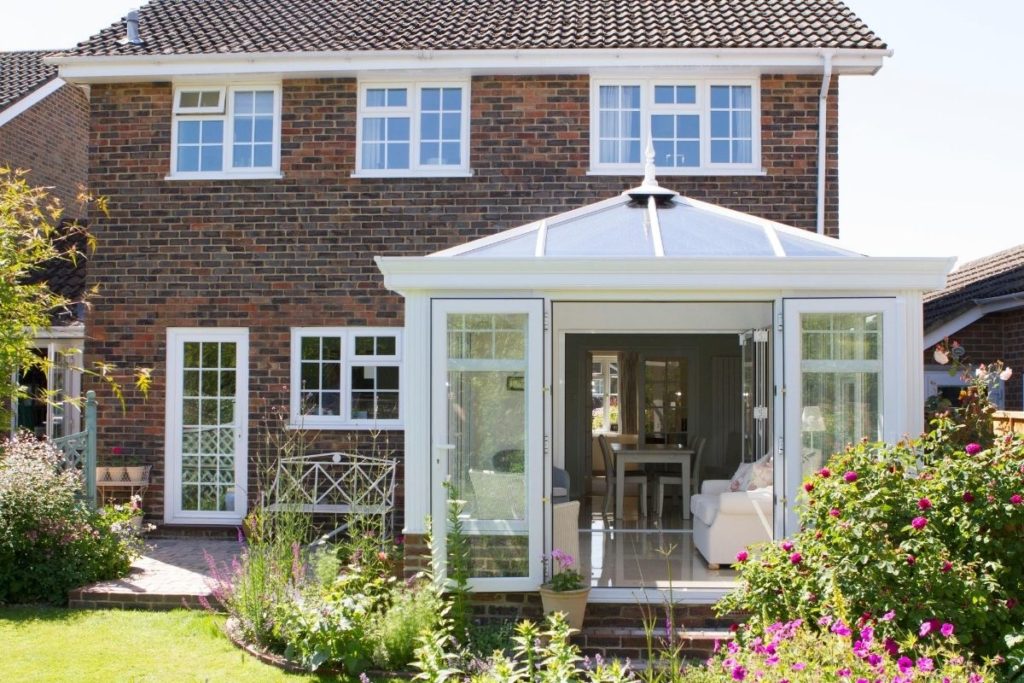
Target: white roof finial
(649, 179)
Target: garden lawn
(53, 644)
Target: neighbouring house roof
(22, 73)
(272, 26)
(66, 277)
(997, 275)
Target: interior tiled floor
(643, 551)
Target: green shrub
(393, 630)
(50, 539)
(927, 529)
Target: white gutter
(826, 82)
(484, 62)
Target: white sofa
(726, 522)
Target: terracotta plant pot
(572, 603)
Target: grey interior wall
(699, 348)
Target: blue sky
(931, 154)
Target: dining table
(672, 454)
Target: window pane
(719, 151)
(398, 156)
(609, 96)
(741, 152)
(631, 124)
(430, 126)
(720, 96)
(688, 153)
(741, 97)
(188, 132)
(212, 132)
(331, 376)
(373, 155)
(189, 98)
(631, 97)
(375, 97)
(264, 102)
(451, 130)
(243, 129)
(387, 405)
(631, 152)
(364, 346)
(209, 98)
(664, 153)
(686, 94)
(661, 126)
(188, 159)
(373, 128)
(310, 375)
(330, 403)
(263, 156)
(451, 154)
(430, 153)
(386, 346)
(243, 102)
(398, 128)
(211, 158)
(397, 97)
(264, 130)
(310, 348)
(719, 124)
(331, 348)
(431, 99)
(664, 94)
(608, 151)
(452, 99)
(363, 378)
(688, 126)
(242, 156)
(609, 124)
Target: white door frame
(892, 350)
(176, 338)
(534, 457)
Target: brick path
(172, 573)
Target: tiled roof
(994, 275)
(246, 26)
(21, 73)
(64, 276)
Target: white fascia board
(981, 308)
(811, 275)
(31, 100)
(483, 62)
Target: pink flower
(1011, 603)
(911, 560)
(564, 559)
(906, 664)
(850, 477)
(808, 486)
(796, 558)
(840, 628)
(891, 647)
(919, 523)
(844, 672)
(116, 450)
(742, 556)
(946, 630)
(924, 504)
(739, 673)
(926, 628)
(973, 448)
(888, 616)
(1015, 499)
(947, 567)
(787, 546)
(924, 664)
(824, 473)
(799, 666)
(1006, 374)
(834, 512)
(968, 497)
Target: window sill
(432, 173)
(264, 175)
(668, 172)
(347, 426)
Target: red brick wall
(997, 336)
(51, 139)
(270, 255)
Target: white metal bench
(335, 484)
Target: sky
(931, 148)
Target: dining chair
(669, 480)
(628, 480)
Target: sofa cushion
(741, 480)
(704, 507)
(762, 473)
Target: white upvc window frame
(348, 359)
(702, 107)
(225, 112)
(413, 110)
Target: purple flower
(968, 497)
(834, 512)
(850, 477)
(1016, 499)
(924, 504)
(947, 567)
(739, 673)
(911, 560)
(926, 628)
(844, 672)
(742, 556)
(825, 473)
(867, 634)
(840, 628)
(888, 616)
(905, 664)
(946, 630)
(796, 558)
(973, 448)
(919, 523)
(564, 559)
(808, 486)
(891, 647)
(874, 659)
(787, 546)
(824, 620)
(924, 664)
(799, 666)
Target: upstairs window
(410, 129)
(226, 132)
(695, 126)
(346, 378)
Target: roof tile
(991, 276)
(21, 73)
(249, 26)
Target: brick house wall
(272, 254)
(50, 139)
(997, 336)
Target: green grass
(52, 644)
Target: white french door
(840, 382)
(206, 427)
(487, 394)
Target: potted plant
(566, 591)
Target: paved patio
(172, 573)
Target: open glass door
(838, 357)
(756, 387)
(487, 429)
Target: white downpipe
(826, 81)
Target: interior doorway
(684, 410)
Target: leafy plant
(567, 578)
(414, 608)
(457, 567)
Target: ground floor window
(346, 378)
(48, 409)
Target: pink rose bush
(929, 534)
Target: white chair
(670, 480)
(726, 522)
(565, 531)
(638, 480)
